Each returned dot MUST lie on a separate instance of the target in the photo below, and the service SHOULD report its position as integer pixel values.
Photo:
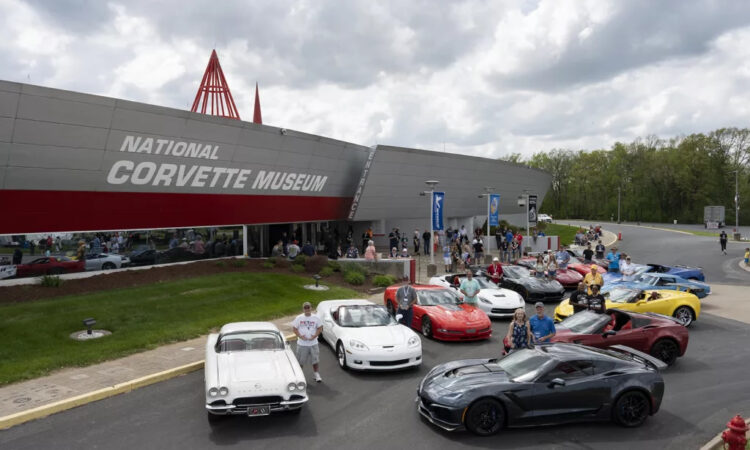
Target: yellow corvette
(683, 306)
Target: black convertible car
(532, 289)
(550, 384)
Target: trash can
(675, 221)
(737, 236)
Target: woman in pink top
(370, 251)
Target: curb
(100, 394)
(744, 266)
(717, 443)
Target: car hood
(269, 369)
(504, 298)
(541, 285)
(390, 335)
(466, 314)
(464, 375)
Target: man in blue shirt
(614, 260)
(542, 327)
(563, 258)
(509, 237)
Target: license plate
(471, 330)
(262, 410)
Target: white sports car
(250, 369)
(106, 261)
(497, 302)
(365, 336)
(7, 271)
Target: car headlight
(357, 345)
(291, 387)
(413, 341)
(213, 392)
(301, 386)
(223, 391)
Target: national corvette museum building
(77, 162)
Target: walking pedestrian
(470, 289)
(519, 332)
(415, 241)
(542, 326)
(722, 241)
(426, 238)
(406, 296)
(747, 255)
(307, 327)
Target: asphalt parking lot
(376, 410)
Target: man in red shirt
(496, 270)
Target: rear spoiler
(641, 357)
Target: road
(366, 411)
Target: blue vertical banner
(494, 210)
(438, 200)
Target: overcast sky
(478, 77)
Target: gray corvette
(549, 384)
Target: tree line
(658, 180)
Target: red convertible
(439, 313)
(567, 277)
(53, 265)
(657, 335)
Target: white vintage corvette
(365, 336)
(250, 369)
(493, 300)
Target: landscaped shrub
(315, 263)
(335, 266)
(325, 272)
(353, 267)
(355, 278)
(221, 264)
(239, 263)
(268, 265)
(297, 268)
(300, 259)
(51, 281)
(383, 280)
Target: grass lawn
(566, 233)
(37, 333)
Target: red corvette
(657, 335)
(440, 314)
(49, 266)
(567, 277)
(583, 269)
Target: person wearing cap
(307, 327)
(470, 288)
(596, 301)
(593, 278)
(406, 296)
(614, 260)
(627, 269)
(495, 270)
(542, 326)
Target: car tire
(215, 419)
(485, 417)
(341, 355)
(108, 266)
(631, 409)
(426, 327)
(391, 309)
(684, 314)
(666, 350)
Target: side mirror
(399, 317)
(556, 382)
(609, 333)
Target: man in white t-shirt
(307, 327)
(627, 270)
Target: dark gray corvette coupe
(549, 384)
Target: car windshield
(524, 365)
(620, 295)
(434, 297)
(483, 282)
(647, 278)
(365, 316)
(515, 271)
(250, 340)
(585, 322)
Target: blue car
(649, 280)
(689, 273)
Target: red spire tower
(257, 118)
(213, 95)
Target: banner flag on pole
(438, 199)
(532, 210)
(494, 210)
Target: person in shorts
(307, 327)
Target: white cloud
(476, 77)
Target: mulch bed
(133, 278)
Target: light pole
(488, 194)
(618, 204)
(431, 184)
(736, 201)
